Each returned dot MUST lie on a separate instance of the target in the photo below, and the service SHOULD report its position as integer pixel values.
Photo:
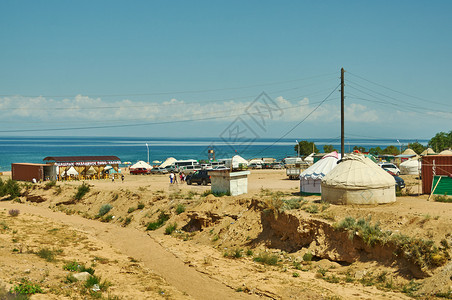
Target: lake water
(35, 149)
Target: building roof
(84, 160)
(81, 158)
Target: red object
(27, 171)
(139, 171)
(434, 165)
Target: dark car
(400, 183)
(199, 177)
(137, 171)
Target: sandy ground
(193, 263)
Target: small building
(29, 171)
(434, 165)
(230, 183)
(82, 164)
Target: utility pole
(342, 112)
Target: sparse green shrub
(104, 209)
(294, 203)
(443, 198)
(26, 287)
(127, 221)
(249, 252)
(49, 185)
(234, 253)
(140, 205)
(106, 219)
(72, 266)
(307, 256)
(422, 253)
(180, 208)
(266, 258)
(170, 228)
(70, 278)
(332, 279)
(131, 210)
(206, 193)
(295, 274)
(13, 212)
(10, 187)
(81, 191)
(312, 209)
(410, 288)
(47, 254)
(159, 223)
(114, 197)
(322, 271)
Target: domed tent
(168, 162)
(311, 178)
(446, 152)
(358, 180)
(428, 151)
(140, 164)
(410, 167)
(310, 158)
(409, 151)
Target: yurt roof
(356, 171)
(322, 167)
(428, 151)
(446, 152)
(410, 162)
(240, 160)
(409, 151)
(168, 162)
(141, 164)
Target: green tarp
(444, 186)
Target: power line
(393, 90)
(299, 123)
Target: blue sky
(191, 68)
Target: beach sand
(211, 258)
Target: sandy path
(140, 246)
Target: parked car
(400, 183)
(220, 168)
(190, 169)
(390, 167)
(254, 166)
(159, 170)
(199, 177)
(170, 168)
(138, 171)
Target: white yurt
(140, 164)
(310, 158)
(311, 178)
(358, 180)
(428, 151)
(168, 162)
(446, 152)
(410, 167)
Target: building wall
(26, 172)
(434, 165)
(235, 183)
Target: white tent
(410, 167)
(168, 162)
(446, 152)
(428, 151)
(358, 180)
(71, 171)
(310, 158)
(237, 160)
(311, 178)
(256, 161)
(140, 164)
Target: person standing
(122, 177)
(171, 177)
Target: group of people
(173, 177)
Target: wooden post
(342, 113)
